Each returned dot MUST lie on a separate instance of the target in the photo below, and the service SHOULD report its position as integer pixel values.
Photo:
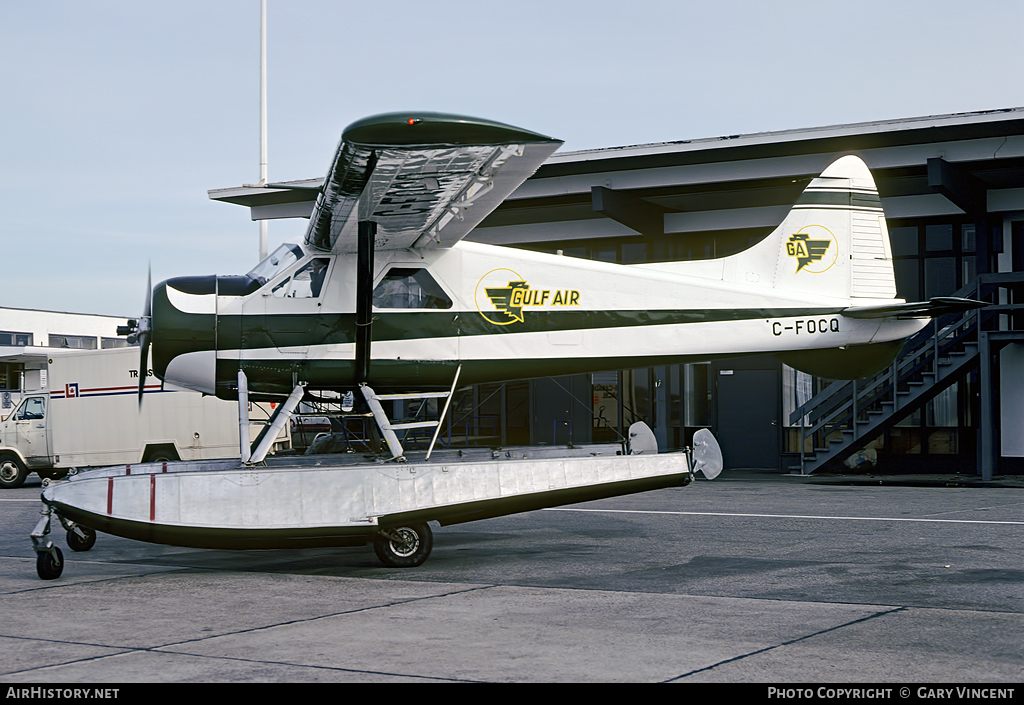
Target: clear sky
(117, 116)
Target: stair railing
(840, 404)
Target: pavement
(882, 479)
(756, 578)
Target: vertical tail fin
(834, 241)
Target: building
(952, 187)
(28, 336)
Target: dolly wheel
(404, 546)
(50, 564)
(83, 541)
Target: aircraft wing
(932, 308)
(426, 179)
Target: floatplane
(385, 295)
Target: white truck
(88, 415)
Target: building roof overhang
(730, 182)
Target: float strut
(280, 418)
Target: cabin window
(404, 287)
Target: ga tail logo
(810, 246)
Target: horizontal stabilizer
(938, 306)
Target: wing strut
(364, 298)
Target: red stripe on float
(110, 495)
(152, 497)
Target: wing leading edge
(426, 179)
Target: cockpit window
(306, 283)
(278, 259)
(405, 287)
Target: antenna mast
(263, 118)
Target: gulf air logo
(502, 295)
(814, 247)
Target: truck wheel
(160, 455)
(12, 472)
(81, 543)
(50, 564)
(404, 546)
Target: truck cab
(25, 442)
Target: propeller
(140, 331)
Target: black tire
(160, 455)
(12, 472)
(79, 543)
(50, 564)
(404, 546)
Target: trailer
(88, 414)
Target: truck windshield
(278, 259)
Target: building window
(933, 259)
(11, 374)
(698, 381)
(107, 343)
(939, 237)
(15, 339)
(76, 342)
(604, 387)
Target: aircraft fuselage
(501, 313)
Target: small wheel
(12, 472)
(81, 543)
(50, 564)
(404, 546)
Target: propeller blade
(149, 291)
(143, 334)
(143, 362)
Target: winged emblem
(506, 302)
(806, 250)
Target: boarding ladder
(387, 428)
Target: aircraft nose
(184, 325)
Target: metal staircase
(846, 415)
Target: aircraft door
(414, 322)
(292, 309)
